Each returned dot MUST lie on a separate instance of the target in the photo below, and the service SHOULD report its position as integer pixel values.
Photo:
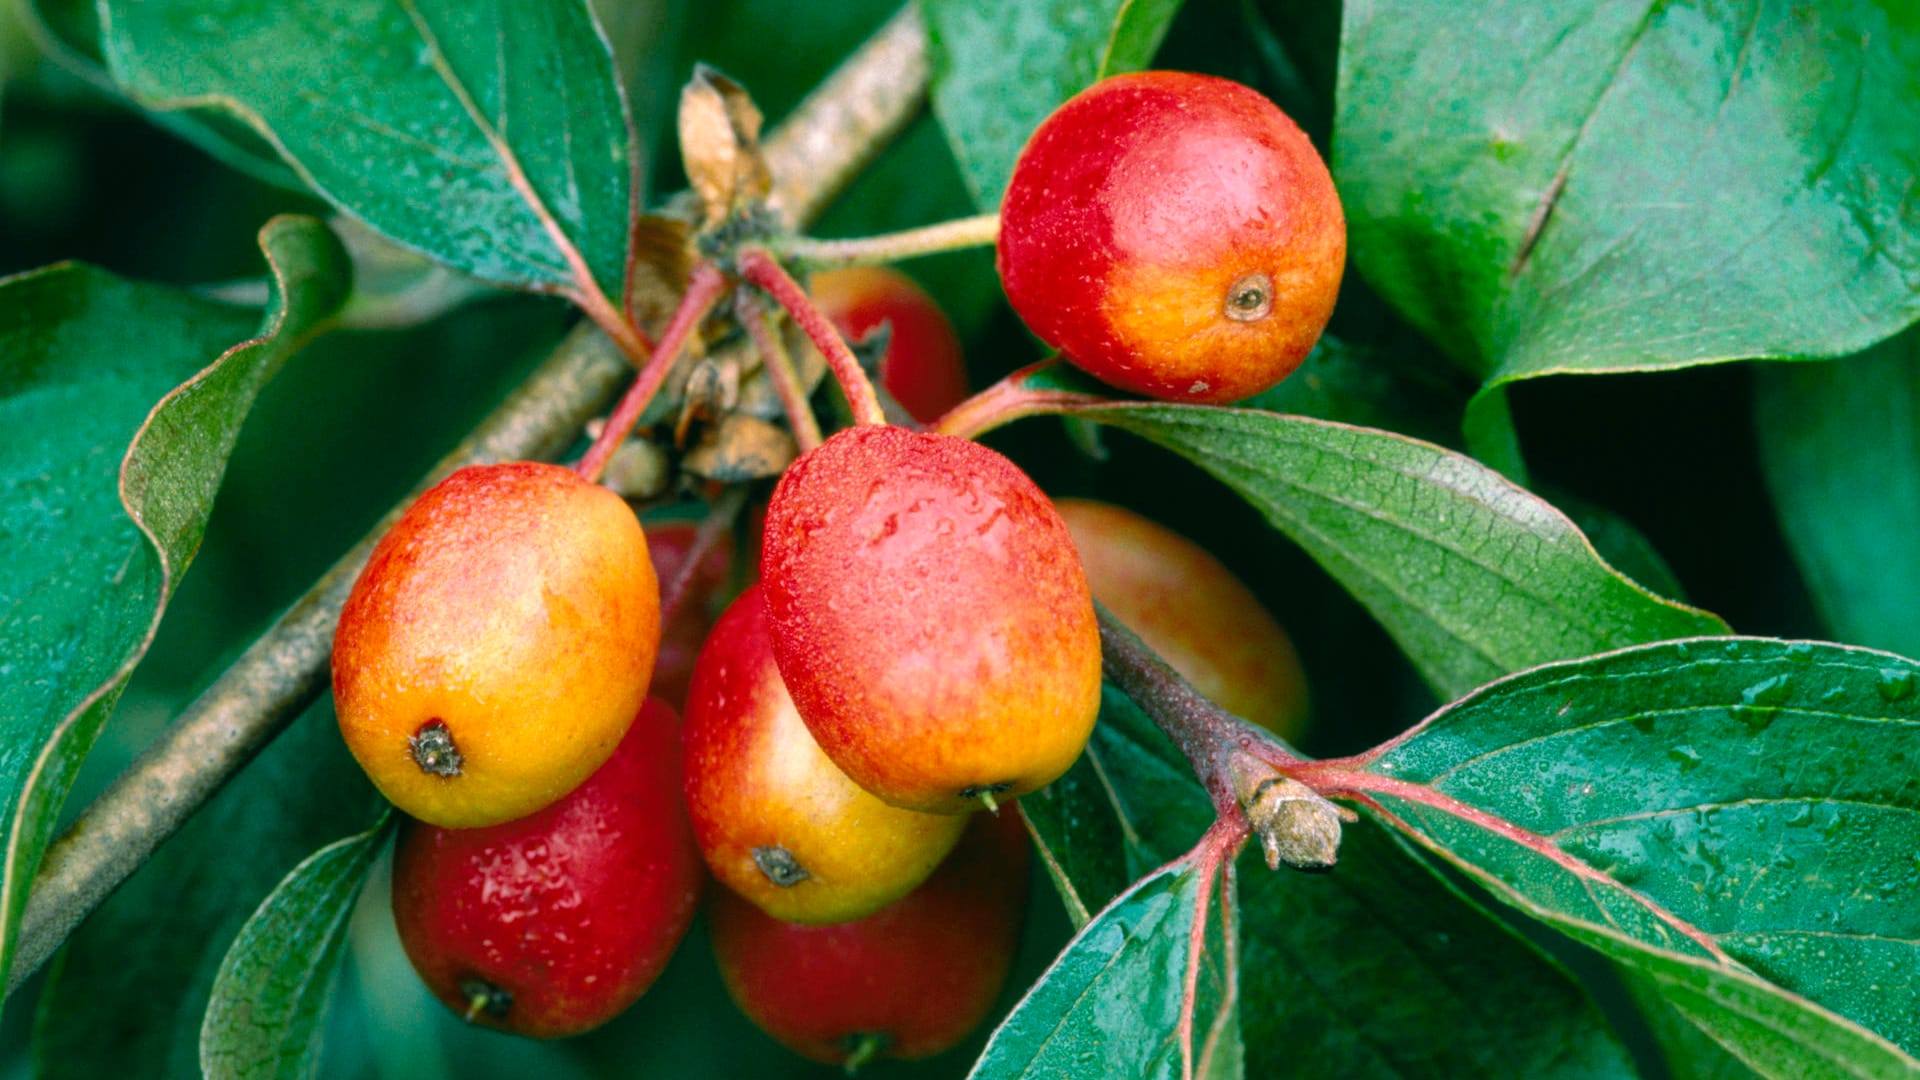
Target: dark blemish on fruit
(779, 865)
(433, 750)
(1250, 298)
(484, 997)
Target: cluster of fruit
(921, 641)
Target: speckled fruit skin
(686, 628)
(1134, 210)
(1191, 610)
(572, 911)
(920, 973)
(756, 781)
(924, 368)
(516, 605)
(930, 618)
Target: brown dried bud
(740, 448)
(720, 145)
(1295, 824)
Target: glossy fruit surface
(1190, 609)
(497, 645)
(1175, 235)
(930, 618)
(916, 977)
(778, 823)
(551, 925)
(924, 368)
(685, 628)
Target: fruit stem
(758, 266)
(987, 797)
(869, 1044)
(632, 342)
(1237, 762)
(981, 230)
(1008, 400)
(705, 286)
(781, 371)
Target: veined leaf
(1472, 575)
(491, 135)
(1549, 186)
(1736, 818)
(270, 997)
(1001, 66)
(107, 493)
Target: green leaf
(1001, 66)
(1691, 1054)
(491, 135)
(1473, 576)
(1714, 813)
(270, 998)
(170, 925)
(1080, 838)
(1549, 186)
(1837, 448)
(107, 493)
(1354, 384)
(1111, 1004)
(70, 31)
(1424, 981)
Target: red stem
(705, 286)
(1009, 400)
(780, 370)
(758, 266)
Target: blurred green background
(352, 423)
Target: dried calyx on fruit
(498, 643)
(553, 924)
(930, 618)
(908, 981)
(777, 822)
(1175, 235)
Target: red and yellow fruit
(497, 645)
(777, 822)
(930, 618)
(553, 924)
(923, 368)
(1192, 611)
(909, 981)
(1175, 235)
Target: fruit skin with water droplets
(1190, 609)
(918, 975)
(778, 823)
(930, 618)
(512, 610)
(1174, 235)
(924, 367)
(552, 925)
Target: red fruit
(551, 925)
(1175, 235)
(686, 627)
(923, 368)
(777, 822)
(930, 618)
(913, 978)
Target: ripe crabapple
(777, 822)
(553, 924)
(498, 643)
(930, 618)
(1192, 611)
(909, 981)
(1175, 235)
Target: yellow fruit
(497, 645)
